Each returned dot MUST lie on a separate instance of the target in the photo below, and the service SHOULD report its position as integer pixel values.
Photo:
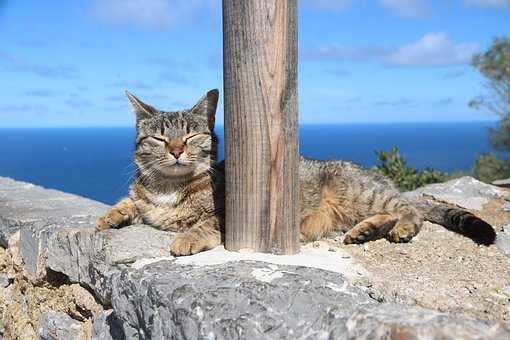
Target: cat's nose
(177, 153)
(176, 147)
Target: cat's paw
(187, 244)
(403, 232)
(371, 228)
(358, 236)
(101, 224)
(112, 219)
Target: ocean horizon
(96, 162)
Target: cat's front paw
(112, 219)
(403, 232)
(101, 224)
(187, 244)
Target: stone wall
(59, 279)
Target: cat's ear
(142, 110)
(206, 107)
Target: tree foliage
(394, 165)
(489, 168)
(494, 65)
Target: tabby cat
(180, 187)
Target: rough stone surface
(503, 240)
(34, 238)
(93, 258)
(25, 303)
(253, 300)
(443, 270)
(4, 280)
(502, 183)
(465, 192)
(58, 326)
(155, 295)
(393, 321)
(440, 270)
(37, 212)
(21, 203)
(107, 327)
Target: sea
(97, 162)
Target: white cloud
(153, 14)
(434, 49)
(328, 5)
(409, 9)
(488, 3)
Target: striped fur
(457, 220)
(338, 195)
(178, 186)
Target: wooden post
(261, 132)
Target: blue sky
(67, 63)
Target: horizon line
(222, 125)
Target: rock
(34, 239)
(254, 300)
(107, 327)
(58, 326)
(440, 270)
(392, 321)
(502, 183)
(93, 258)
(4, 280)
(37, 212)
(465, 192)
(222, 295)
(22, 203)
(13, 260)
(503, 240)
(8, 227)
(236, 300)
(85, 306)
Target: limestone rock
(22, 203)
(503, 240)
(107, 327)
(37, 212)
(254, 300)
(34, 240)
(4, 280)
(14, 251)
(93, 258)
(239, 300)
(502, 183)
(58, 326)
(392, 321)
(465, 192)
(153, 295)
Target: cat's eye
(152, 140)
(194, 135)
(158, 139)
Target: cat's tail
(457, 220)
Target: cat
(179, 187)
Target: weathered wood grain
(261, 117)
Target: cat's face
(175, 144)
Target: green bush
(489, 168)
(393, 165)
